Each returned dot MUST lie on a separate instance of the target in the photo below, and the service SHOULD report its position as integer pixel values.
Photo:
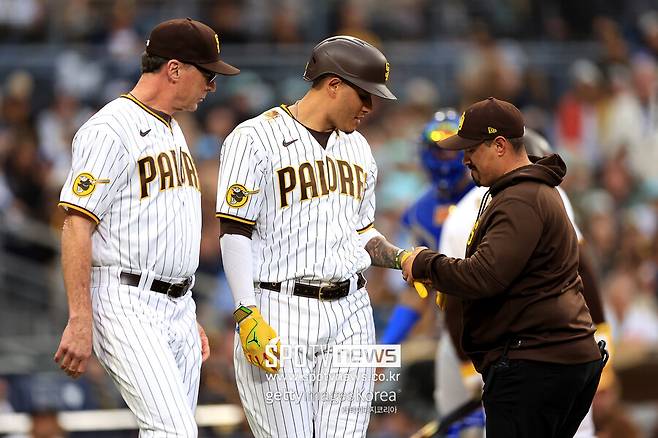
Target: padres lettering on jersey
(306, 202)
(319, 180)
(133, 174)
(171, 174)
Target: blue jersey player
(450, 180)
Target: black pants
(538, 399)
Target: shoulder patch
(237, 195)
(85, 183)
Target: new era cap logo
(491, 130)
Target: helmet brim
(379, 90)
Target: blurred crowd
(598, 108)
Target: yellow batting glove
(260, 343)
(420, 287)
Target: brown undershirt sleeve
(229, 226)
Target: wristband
(241, 313)
(398, 258)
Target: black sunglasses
(209, 75)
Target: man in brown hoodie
(526, 326)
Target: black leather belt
(174, 290)
(330, 292)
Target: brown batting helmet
(353, 60)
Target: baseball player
(130, 242)
(296, 202)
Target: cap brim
(379, 90)
(221, 67)
(457, 143)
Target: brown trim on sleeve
(234, 218)
(366, 228)
(66, 206)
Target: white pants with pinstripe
(310, 397)
(149, 344)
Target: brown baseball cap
(485, 120)
(189, 41)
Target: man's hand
(406, 262)
(255, 336)
(421, 288)
(75, 347)
(205, 345)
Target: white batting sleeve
(238, 267)
(98, 170)
(241, 182)
(367, 208)
(369, 235)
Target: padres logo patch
(461, 121)
(85, 184)
(237, 195)
(387, 72)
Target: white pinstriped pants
(310, 397)
(149, 344)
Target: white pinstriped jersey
(307, 203)
(133, 174)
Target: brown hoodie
(519, 281)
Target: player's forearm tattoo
(382, 252)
